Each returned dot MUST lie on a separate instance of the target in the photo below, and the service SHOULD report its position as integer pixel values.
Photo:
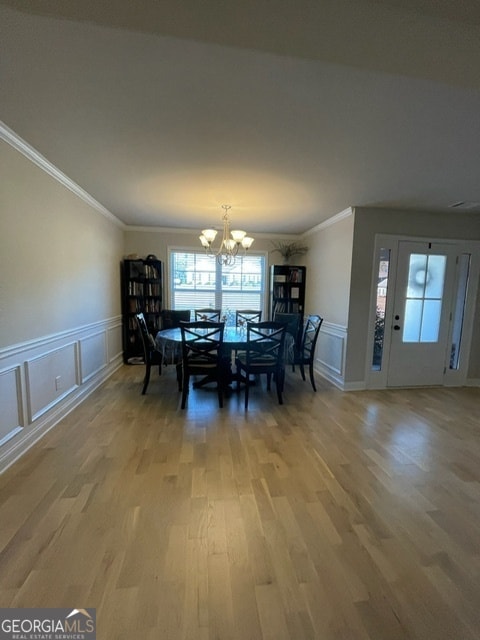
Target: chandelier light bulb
(209, 234)
(238, 235)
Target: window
(463, 266)
(423, 305)
(197, 281)
(382, 285)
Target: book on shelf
(151, 272)
(134, 305)
(135, 288)
(295, 275)
(279, 307)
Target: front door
(421, 314)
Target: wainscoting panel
(114, 342)
(330, 353)
(44, 379)
(93, 355)
(11, 409)
(50, 377)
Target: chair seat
(202, 365)
(259, 362)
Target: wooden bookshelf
(287, 289)
(142, 289)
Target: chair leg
(186, 384)
(220, 394)
(279, 396)
(269, 381)
(247, 387)
(312, 379)
(280, 381)
(146, 380)
(302, 371)
(179, 375)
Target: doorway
(424, 306)
(421, 314)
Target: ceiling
(288, 110)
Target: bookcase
(141, 292)
(287, 289)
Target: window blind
(198, 281)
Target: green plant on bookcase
(288, 250)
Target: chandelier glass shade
(232, 240)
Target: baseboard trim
(472, 382)
(328, 374)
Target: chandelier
(231, 241)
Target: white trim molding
(10, 137)
(42, 380)
(329, 221)
(330, 353)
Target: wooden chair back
(242, 316)
(212, 315)
(202, 351)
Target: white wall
(328, 289)
(59, 258)
(60, 310)
(329, 262)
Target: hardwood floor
(338, 516)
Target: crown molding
(17, 143)
(333, 220)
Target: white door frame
(377, 379)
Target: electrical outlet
(58, 383)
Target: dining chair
(171, 318)
(172, 351)
(211, 315)
(151, 356)
(242, 316)
(304, 355)
(264, 353)
(293, 334)
(202, 354)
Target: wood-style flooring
(346, 516)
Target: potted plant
(289, 249)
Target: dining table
(234, 339)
